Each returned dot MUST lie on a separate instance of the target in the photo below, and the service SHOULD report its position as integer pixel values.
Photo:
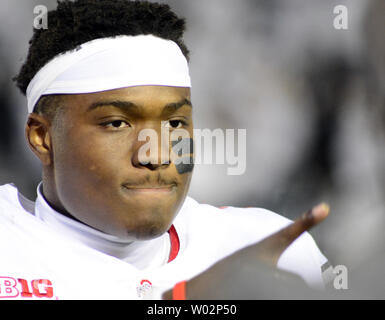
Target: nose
(151, 151)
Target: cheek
(87, 173)
(88, 156)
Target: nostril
(155, 165)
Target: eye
(116, 124)
(174, 124)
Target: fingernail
(320, 210)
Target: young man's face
(96, 159)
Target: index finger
(304, 223)
(271, 248)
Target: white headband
(111, 63)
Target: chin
(145, 232)
(150, 234)
(149, 222)
(146, 228)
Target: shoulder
(13, 202)
(256, 223)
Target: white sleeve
(302, 257)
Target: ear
(39, 139)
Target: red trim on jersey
(179, 291)
(175, 244)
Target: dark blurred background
(310, 96)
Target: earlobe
(39, 138)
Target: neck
(50, 195)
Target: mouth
(150, 188)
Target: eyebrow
(173, 106)
(129, 106)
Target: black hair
(76, 22)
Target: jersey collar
(141, 254)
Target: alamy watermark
(41, 20)
(179, 147)
(340, 21)
(340, 281)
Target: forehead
(145, 97)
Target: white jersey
(44, 255)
